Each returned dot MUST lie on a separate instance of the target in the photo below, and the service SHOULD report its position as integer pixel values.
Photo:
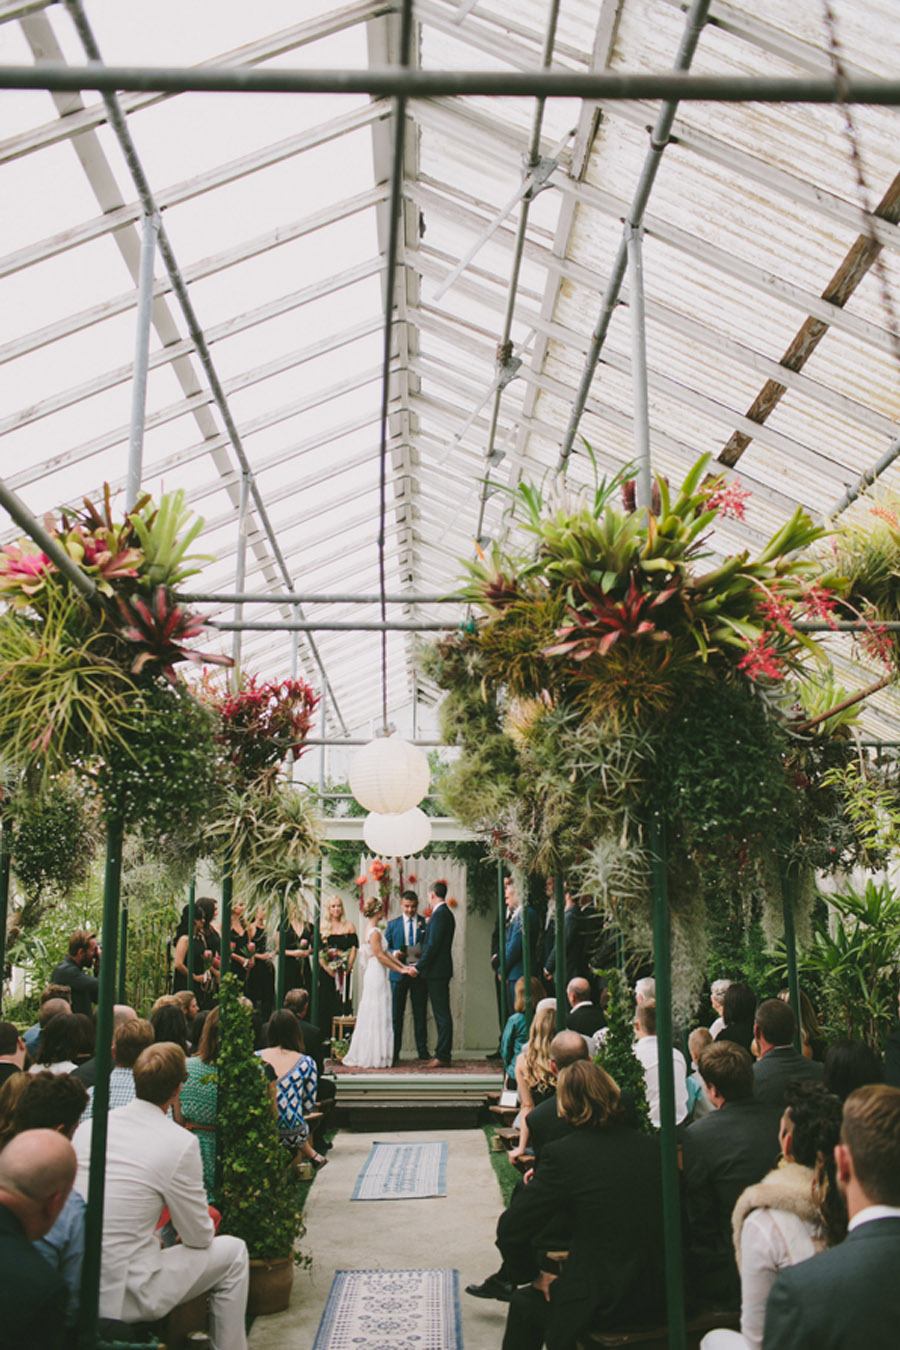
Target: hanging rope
(395, 209)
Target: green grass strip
(506, 1174)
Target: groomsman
(435, 966)
(404, 938)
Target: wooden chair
(340, 1026)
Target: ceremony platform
(411, 1098)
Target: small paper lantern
(397, 835)
(389, 776)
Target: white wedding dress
(372, 1042)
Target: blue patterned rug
(403, 1172)
(392, 1310)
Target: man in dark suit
(37, 1169)
(779, 1063)
(79, 971)
(297, 1002)
(435, 966)
(572, 939)
(848, 1298)
(601, 1185)
(404, 938)
(584, 1016)
(724, 1152)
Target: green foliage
(153, 889)
(870, 805)
(262, 1199)
(165, 778)
(41, 944)
(62, 699)
(856, 955)
(617, 1055)
(165, 534)
(507, 1175)
(270, 834)
(55, 836)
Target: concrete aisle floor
(455, 1231)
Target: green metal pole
(314, 959)
(280, 963)
(192, 899)
(5, 862)
(526, 959)
(227, 889)
(790, 886)
(559, 935)
(501, 948)
(668, 1142)
(93, 1228)
(123, 954)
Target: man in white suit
(150, 1163)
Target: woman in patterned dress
(296, 1082)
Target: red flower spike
(730, 500)
(762, 662)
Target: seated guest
(730, 1149)
(198, 1106)
(85, 1036)
(778, 1063)
(535, 1079)
(37, 1170)
(717, 992)
(197, 1029)
(515, 1033)
(849, 1296)
(297, 1002)
(59, 995)
(129, 1039)
(10, 1094)
(584, 1015)
(57, 1046)
(152, 1164)
(644, 991)
(170, 1025)
(601, 1185)
(647, 1051)
(187, 1002)
(12, 1051)
(545, 1122)
(699, 1104)
(55, 1102)
(294, 1074)
(87, 1071)
(812, 1036)
(79, 970)
(849, 1065)
(738, 1011)
(791, 1214)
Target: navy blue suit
(436, 966)
(395, 939)
(515, 950)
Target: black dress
(204, 993)
(334, 990)
(259, 985)
(297, 968)
(239, 949)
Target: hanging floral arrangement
(616, 667)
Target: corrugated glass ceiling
(768, 336)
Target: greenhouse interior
(482, 431)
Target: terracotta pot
(270, 1286)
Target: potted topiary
(261, 1197)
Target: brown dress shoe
(437, 1064)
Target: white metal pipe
(639, 391)
(149, 234)
(240, 570)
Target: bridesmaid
(336, 960)
(260, 983)
(298, 944)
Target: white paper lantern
(389, 776)
(397, 835)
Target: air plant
(599, 621)
(159, 631)
(264, 722)
(270, 836)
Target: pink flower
(777, 613)
(878, 643)
(730, 500)
(762, 662)
(820, 603)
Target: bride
(372, 1043)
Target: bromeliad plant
(616, 667)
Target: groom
(435, 966)
(403, 938)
